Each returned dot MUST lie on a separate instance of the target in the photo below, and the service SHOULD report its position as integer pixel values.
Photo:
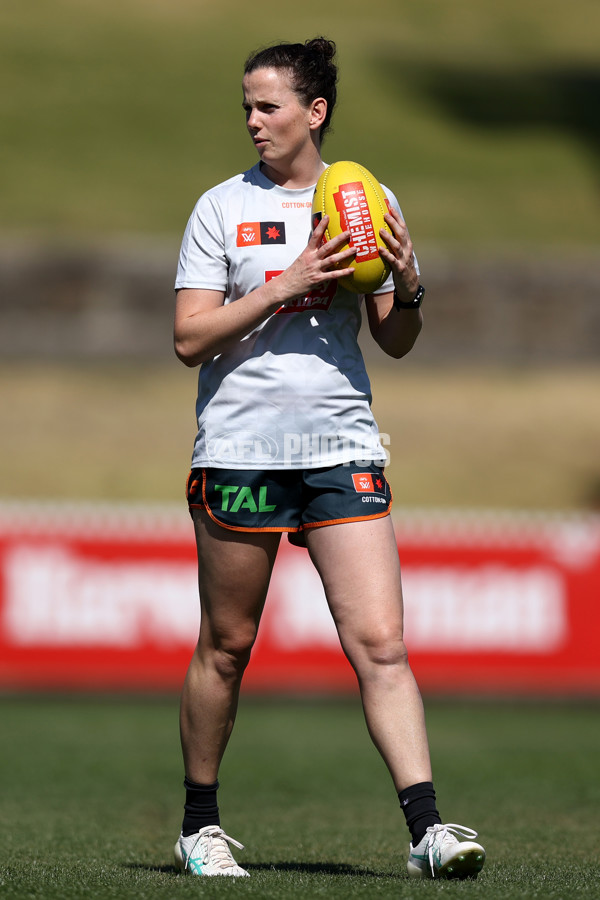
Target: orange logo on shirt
(249, 234)
(272, 233)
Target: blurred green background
(482, 117)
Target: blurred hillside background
(483, 118)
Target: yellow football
(354, 201)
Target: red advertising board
(105, 598)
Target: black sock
(418, 806)
(201, 807)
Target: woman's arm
(395, 330)
(205, 327)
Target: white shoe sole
(466, 862)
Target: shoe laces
(439, 833)
(215, 849)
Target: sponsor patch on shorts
(367, 483)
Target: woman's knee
(230, 653)
(381, 650)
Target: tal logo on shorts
(365, 482)
(250, 234)
(243, 498)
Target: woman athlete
(287, 442)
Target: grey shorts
(291, 500)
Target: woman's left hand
(398, 253)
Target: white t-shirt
(294, 393)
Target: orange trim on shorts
(380, 515)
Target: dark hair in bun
(312, 70)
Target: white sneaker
(440, 854)
(207, 853)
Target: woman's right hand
(320, 262)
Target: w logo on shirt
(250, 234)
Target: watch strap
(410, 304)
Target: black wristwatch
(411, 304)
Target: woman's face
(279, 125)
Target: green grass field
(90, 800)
(482, 117)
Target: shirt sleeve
(203, 261)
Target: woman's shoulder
(233, 184)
